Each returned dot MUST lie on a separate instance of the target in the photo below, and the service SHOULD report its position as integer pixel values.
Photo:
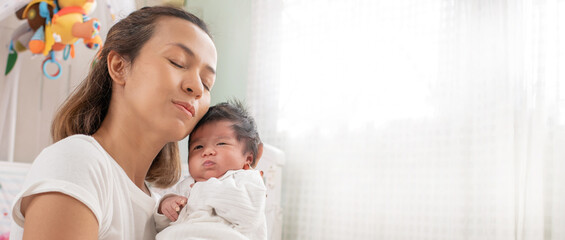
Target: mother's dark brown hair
(85, 109)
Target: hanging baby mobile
(52, 29)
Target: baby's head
(226, 138)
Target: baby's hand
(171, 206)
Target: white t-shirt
(79, 167)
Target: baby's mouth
(208, 163)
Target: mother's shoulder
(76, 148)
(73, 143)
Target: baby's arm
(183, 189)
(162, 221)
(171, 205)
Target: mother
(148, 88)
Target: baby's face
(214, 149)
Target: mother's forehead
(171, 32)
(174, 29)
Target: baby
(224, 198)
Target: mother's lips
(186, 107)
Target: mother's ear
(117, 67)
(259, 154)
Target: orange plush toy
(54, 26)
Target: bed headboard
(271, 164)
(12, 176)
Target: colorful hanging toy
(52, 29)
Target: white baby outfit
(229, 207)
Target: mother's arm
(55, 215)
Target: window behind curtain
(414, 119)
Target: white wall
(230, 25)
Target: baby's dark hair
(243, 124)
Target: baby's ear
(248, 161)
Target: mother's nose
(192, 84)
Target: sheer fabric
(413, 119)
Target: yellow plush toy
(69, 24)
(54, 25)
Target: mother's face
(168, 85)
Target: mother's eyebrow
(188, 51)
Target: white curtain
(414, 119)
